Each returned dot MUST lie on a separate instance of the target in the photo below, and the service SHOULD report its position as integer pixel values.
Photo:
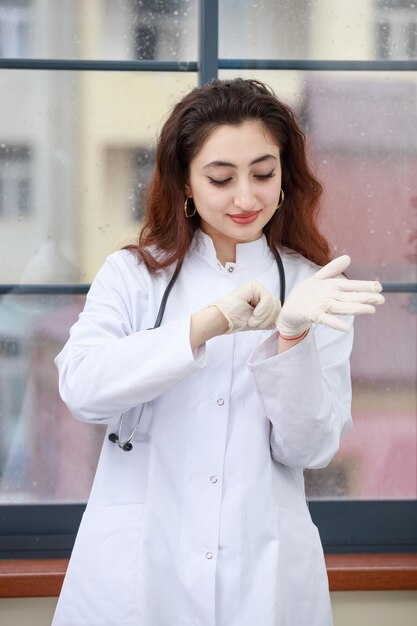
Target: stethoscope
(126, 444)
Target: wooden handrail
(347, 572)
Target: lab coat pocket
(102, 584)
(302, 577)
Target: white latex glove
(323, 296)
(249, 307)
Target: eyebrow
(260, 159)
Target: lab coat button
(213, 479)
(231, 269)
(220, 401)
(209, 555)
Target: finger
(259, 293)
(263, 307)
(335, 267)
(255, 322)
(372, 286)
(333, 322)
(269, 322)
(265, 313)
(349, 308)
(267, 303)
(363, 298)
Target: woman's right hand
(249, 307)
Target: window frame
(346, 526)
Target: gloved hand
(249, 307)
(323, 295)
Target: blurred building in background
(76, 154)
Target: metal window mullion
(49, 290)
(318, 65)
(209, 63)
(71, 289)
(208, 41)
(98, 65)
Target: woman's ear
(188, 190)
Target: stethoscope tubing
(126, 444)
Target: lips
(244, 218)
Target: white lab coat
(205, 521)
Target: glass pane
(360, 144)
(378, 458)
(364, 152)
(45, 454)
(318, 29)
(75, 159)
(104, 29)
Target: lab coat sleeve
(306, 394)
(106, 368)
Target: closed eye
(220, 183)
(265, 176)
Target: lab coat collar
(254, 255)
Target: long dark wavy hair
(190, 123)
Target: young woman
(204, 520)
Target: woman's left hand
(325, 295)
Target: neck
(225, 252)
(224, 246)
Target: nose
(245, 198)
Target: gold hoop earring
(188, 215)
(281, 198)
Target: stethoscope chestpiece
(127, 447)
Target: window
(15, 18)
(142, 165)
(13, 373)
(145, 42)
(93, 135)
(15, 181)
(396, 30)
(142, 30)
(158, 28)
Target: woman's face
(235, 182)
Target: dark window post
(208, 41)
